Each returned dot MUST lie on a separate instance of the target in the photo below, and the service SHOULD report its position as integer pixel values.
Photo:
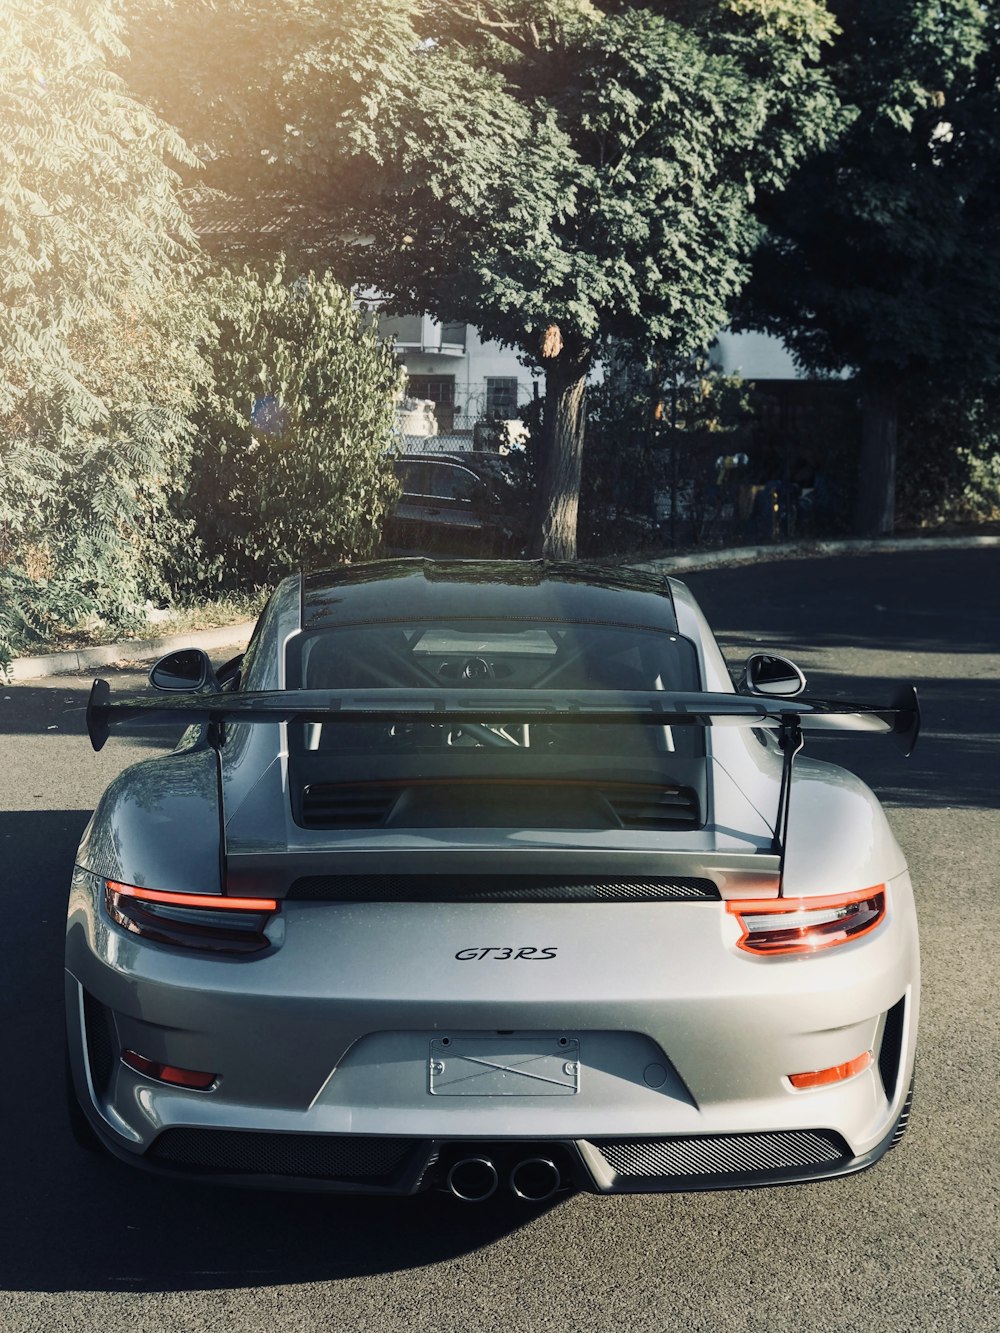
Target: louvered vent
(450, 888)
(654, 807)
(334, 806)
(731, 1155)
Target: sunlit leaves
(97, 320)
(293, 464)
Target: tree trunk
(876, 506)
(562, 453)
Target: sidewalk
(132, 650)
(236, 636)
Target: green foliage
(293, 465)
(950, 459)
(881, 256)
(541, 163)
(89, 222)
(97, 325)
(555, 172)
(883, 247)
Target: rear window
(551, 656)
(416, 772)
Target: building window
(501, 398)
(453, 335)
(404, 330)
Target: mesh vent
(101, 1052)
(892, 1047)
(248, 1152)
(724, 1154)
(904, 1117)
(499, 889)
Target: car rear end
(486, 956)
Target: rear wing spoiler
(900, 719)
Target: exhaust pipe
(535, 1179)
(473, 1179)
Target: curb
(133, 650)
(750, 555)
(136, 650)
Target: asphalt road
(912, 1244)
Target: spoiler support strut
(790, 740)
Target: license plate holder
(504, 1067)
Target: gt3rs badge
(499, 955)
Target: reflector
(181, 1078)
(835, 1074)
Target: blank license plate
(504, 1067)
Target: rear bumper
(353, 1164)
(322, 1048)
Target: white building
(467, 379)
(753, 356)
(457, 381)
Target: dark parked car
(457, 504)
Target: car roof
(482, 464)
(403, 590)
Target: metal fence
(467, 433)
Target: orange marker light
(817, 1078)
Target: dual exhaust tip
(475, 1179)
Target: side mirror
(776, 676)
(184, 672)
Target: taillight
(192, 920)
(804, 925)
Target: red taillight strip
(765, 906)
(214, 902)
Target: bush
(949, 460)
(292, 466)
(98, 325)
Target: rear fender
(158, 825)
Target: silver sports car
(485, 875)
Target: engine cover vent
(335, 805)
(654, 807)
(500, 889)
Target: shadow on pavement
(73, 1221)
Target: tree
(881, 256)
(292, 468)
(97, 321)
(557, 173)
